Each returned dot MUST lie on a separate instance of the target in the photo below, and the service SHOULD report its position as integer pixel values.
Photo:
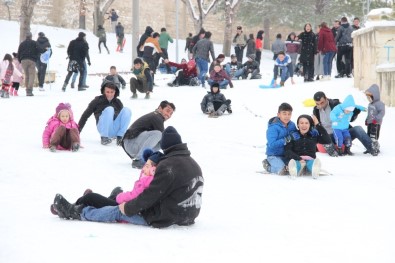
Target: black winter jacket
(211, 97)
(308, 46)
(78, 50)
(43, 44)
(96, 107)
(28, 49)
(148, 122)
(306, 145)
(175, 194)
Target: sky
(246, 216)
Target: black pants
(258, 55)
(346, 52)
(96, 200)
(105, 45)
(374, 131)
(41, 70)
(239, 53)
(308, 69)
(181, 80)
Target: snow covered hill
(245, 217)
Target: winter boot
(67, 210)
(266, 165)
(81, 88)
(119, 140)
(5, 94)
(52, 148)
(134, 96)
(64, 87)
(117, 190)
(72, 85)
(105, 140)
(294, 168)
(314, 166)
(75, 147)
(15, 93)
(330, 149)
(347, 151)
(29, 92)
(147, 96)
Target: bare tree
(7, 3)
(27, 7)
(231, 7)
(100, 9)
(82, 20)
(198, 17)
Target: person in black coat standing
(77, 52)
(140, 47)
(44, 45)
(112, 118)
(28, 53)
(307, 52)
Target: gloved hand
(314, 133)
(292, 137)
(374, 121)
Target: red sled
(321, 148)
(123, 44)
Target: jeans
(235, 74)
(84, 74)
(328, 58)
(108, 127)
(147, 139)
(359, 133)
(41, 70)
(277, 163)
(284, 74)
(222, 84)
(110, 214)
(203, 69)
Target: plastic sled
(309, 103)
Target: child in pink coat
(7, 71)
(61, 131)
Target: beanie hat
(170, 137)
(149, 154)
(62, 107)
(215, 85)
(81, 34)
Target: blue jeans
(235, 74)
(328, 58)
(203, 69)
(359, 133)
(222, 84)
(83, 75)
(284, 74)
(108, 127)
(110, 214)
(277, 163)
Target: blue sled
(271, 86)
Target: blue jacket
(341, 120)
(275, 134)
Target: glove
(314, 133)
(123, 87)
(292, 137)
(89, 63)
(374, 121)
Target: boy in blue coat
(280, 131)
(341, 117)
(283, 67)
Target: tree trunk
(27, 8)
(228, 30)
(8, 11)
(82, 24)
(98, 14)
(266, 38)
(136, 26)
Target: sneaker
(293, 169)
(75, 147)
(85, 86)
(136, 163)
(41, 89)
(134, 96)
(119, 140)
(116, 191)
(375, 148)
(81, 88)
(316, 169)
(147, 96)
(340, 75)
(105, 140)
(67, 210)
(266, 165)
(249, 76)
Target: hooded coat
(98, 104)
(376, 109)
(213, 98)
(326, 41)
(275, 136)
(340, 119)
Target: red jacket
(188, 73)
(326, 41)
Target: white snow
(245, 216)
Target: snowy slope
(245, 217)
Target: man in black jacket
(77, 52)
(146, 132)
(28, 53)
(322, 111)
(112, 118)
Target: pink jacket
(139, 186)
(3, 69)
(17, 77)
(54, 123)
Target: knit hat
(61, 107)
(149, 154)
(170, 137)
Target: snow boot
(105, 140)
(347, 151)
(117, 190)
(67, 210)
(314, 167)
(134, 96)
(64, 87)
(375, 147)
(75, 147)
(294, 168)
(11, 91)
(266, 165)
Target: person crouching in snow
(62, 208)
(186, 75)
(215, 103)
(218, 75)
(301, 152)
(341, 116)
(283, 67)
(61, 132)
(251, 68)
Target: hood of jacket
(375, 91)
(348, 102)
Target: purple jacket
(220, 76)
